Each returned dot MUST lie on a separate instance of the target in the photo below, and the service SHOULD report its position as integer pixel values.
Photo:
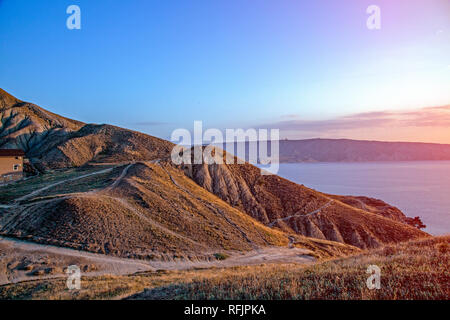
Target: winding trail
(302, 214)
(38, 191)
(120, 178)
(212, 208)
(123, 266)
(67, 195)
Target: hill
(114, 191)
(146, 210)
(51, 141)
(293, 208)
(346, 150)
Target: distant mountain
(344, 150)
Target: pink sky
(431, 124)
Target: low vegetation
(221, 256)
(410, 270)
(11, 192)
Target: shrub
(388, 251)
(442, 247)
(221, 256)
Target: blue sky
(154, 66)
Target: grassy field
(411, 270)
(11, 192)
(111, 286)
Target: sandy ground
(24, 261)
(20, 261)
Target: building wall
(7, 172)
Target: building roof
(11, 153)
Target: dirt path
(18, 250)
(302, 214)
(212, 208)
(36, 192)
(32, 246)
(120, 178)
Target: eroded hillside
(280, 203)
(146, 210)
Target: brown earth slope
(373, 205)
(277, 202)
(52, 141)
(151, 211)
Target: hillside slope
(149, 211)
(52, 141)
(277, 202)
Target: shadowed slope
(105, 143)
(52, 141)
(28, 127)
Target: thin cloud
(151, 123)
(425, 117)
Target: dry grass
(11, 192)
(86, 184)
(411, 270)
(113, 287)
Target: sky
(309, 68)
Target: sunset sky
(310, 68)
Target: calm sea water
(417, 188)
